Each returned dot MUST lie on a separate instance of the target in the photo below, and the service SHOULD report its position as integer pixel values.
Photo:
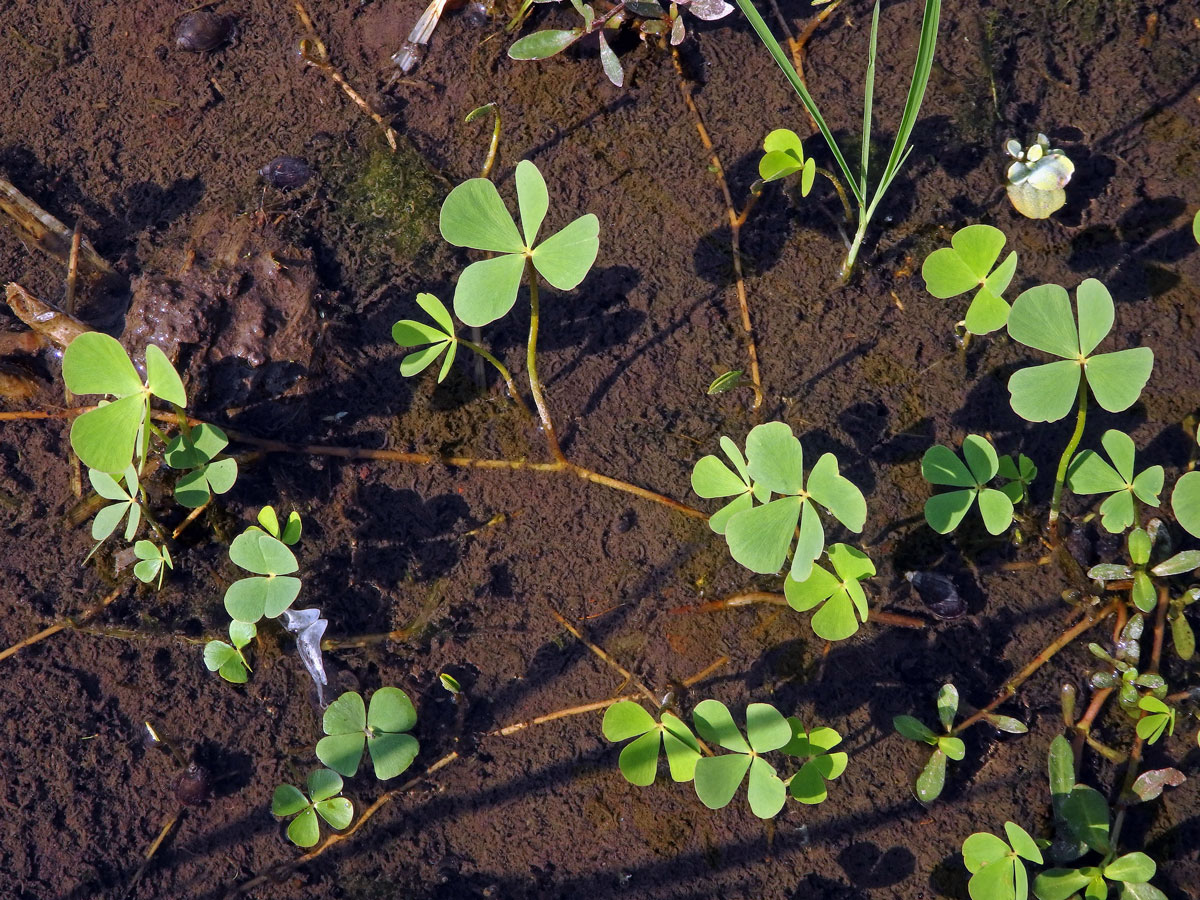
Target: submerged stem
(499, 367)
(535, 386)
(1061, 476)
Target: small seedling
(272, 589)
(1019, 474)
(450, 683)
(1125, 678)
(639, 759)
(1037, 177)
(1090, 474)
(196, 449)
(1157, 718)
(126, 505)
(760, 537)
(290, 533)
(227, 660)
(106, 438)
(1041, 318)
(822, 763)
(474, 216)
(349, 726)
(323, 789)
(940, 465)
(718, 777)
(433, 339)
(1143, 549)
(932, 779)
(967, 265)
(996, 867)
(783, 155)
(153, 562)
(845, 602)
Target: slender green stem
(852, 254)
(841, 192)
(504, 373)
(1061, 476)
(535, 386)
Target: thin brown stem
(1010, 686)
(535, 384)
(749, 598)
(560, 714)
(64, 624)
(629, 677)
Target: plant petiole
(1065, 461)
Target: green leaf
(982, 849)
(953, 747)
(807, 786)
(1117, 379)
(965, 264)
(104, 438)
(836, 620)
(337, 812)
(1086, 813)
(543, 44)
(249, 599)
(944, 512)
(759, 537)
(998, 881)
(718, 777)
(775, 458)
(1143, 891)
(1095, 307)
(996, 509)
(941, 465)
(784, 140)
(258, 552)
(241, 633)
(681, 754)
(1044, 393)
(342, 752)
(195, 448)
(712, 478)
(304, 831)
(96, 363)
(532, 199)
(719, 521)
(1185, 561)
(1185, 503)
(828, 487)
(1143, 594)
(775, 166)
(624, 720)
(914, 729)
(1059, 884)
(161, 377)
(391, 711)
(217, 654)
(293, 528)
(1041, 318)
(639, 759)
(947, 705)
(391, 754)
(765, 792)
(565, 258)
(1090, 474)
(323, 784)
(766, 728)
(287, 800)
(981, 458)
(809, 544)
(814, 590)
(988, 312)
(436, 310)
(932, 779)
(715, 724)
(1022, 844)
(487, 289)
(473, 215)
(345, 715)
(1147, 484)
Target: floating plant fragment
(309, 628)
(1037, 177)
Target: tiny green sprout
(639, 758)
(1183, 639)
(473, 215)
(1185, 503)
(1141, 549)
(324, 787)
(1196, 227)
(1125, 678)
(760, 537)
(845, 602)
(1019, 475)
(822, 763)
(126, 505)
(1037, 177)
(349, 725)
(718, 777)
(1132, 872)
(450, 683)
(269, 521)
(272, 588)
(227, 660)
(932, 780)
(783, 155)
(996, 867)
(940, 465)
(433, 339)
(1157, 718)
(967, 265)
(196, 449)
(1041, 318)
(1090, 474)
(105, 438)
(728, 381)
(153, 562)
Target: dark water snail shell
(203, 31)
(286, 173)
(938, 593)
(193, 786)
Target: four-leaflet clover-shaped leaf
(433, 339)
(712, 478)
(227, 660)
(718, 777)
(196, 449)
(323, 789)
(842, 593)
(783, 156)
(966, 265)
(822, 762)
(1132, 871)
(105, 438)
(152, 561)
(932, 780)
(1041, 318)
(760, 537)
(1019, 474)
(474, 216)
(639, 758)
(126, 505)
(940, 465)
(997, 872)
(349, 725)
(1090, 474)
(272, 588)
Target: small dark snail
(286, 173)
(193, 787)
(203, 31)
(938, 593)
